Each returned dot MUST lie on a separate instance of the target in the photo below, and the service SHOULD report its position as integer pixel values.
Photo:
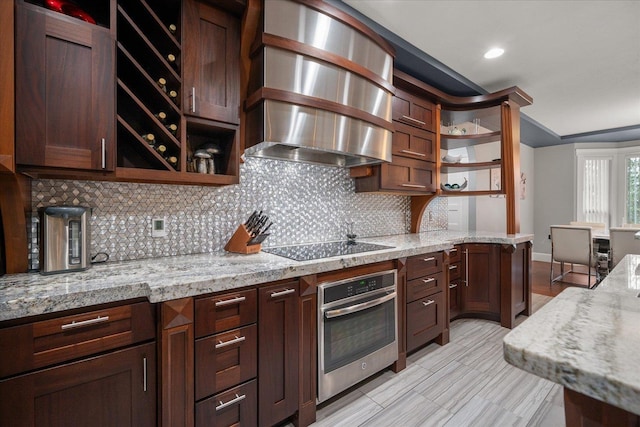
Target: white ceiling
(579, 60)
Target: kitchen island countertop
(587, 340)
(167, 278)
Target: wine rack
(150, 100)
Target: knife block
(239, 242)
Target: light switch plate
(158, 228)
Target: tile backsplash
(307, 203)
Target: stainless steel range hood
(321, 88)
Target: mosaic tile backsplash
(307, 203)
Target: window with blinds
(594, 188)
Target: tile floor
(465, 383)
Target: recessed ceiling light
(493, 53)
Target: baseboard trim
(540, 256)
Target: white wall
(554, 198)
(490, 212)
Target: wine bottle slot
(150, 138)
(161, 149)
(173, 94)
(162, 116)
(162, 83)
(173, 161)
(173, 28)
(173, 128)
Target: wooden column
(15, 202)
(7, 88)
(401, 305)
(176, 363)
(511, 163)
(308, 363)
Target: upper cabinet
(137, 90)
(65, 69)
(211, 63)
(412, 170)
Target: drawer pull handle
(237, 339)
(235, 300)
(411, 119)
(88, 322)
(281, 293)
(414, 185)
(453, 285)
(413, 153)
(231, 402)
(428, 302)
(144, 379)
(429, 280)
(453, 267)
(453, 250)
(431, 258)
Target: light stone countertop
(587, 340)
(163, 279)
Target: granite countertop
(163, 279)
(587, 340)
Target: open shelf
(471, 193)
(466, 167)
(449, 142)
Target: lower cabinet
(234, 407)
(481, 293)
(278, 352)
(426, 299)
(93, 368)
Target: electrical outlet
(158, 228)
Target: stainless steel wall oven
(357, 330)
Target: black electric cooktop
(323, 250)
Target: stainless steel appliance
(64, 232)
(357, 330)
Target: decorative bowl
(449, 158)
(454, 187)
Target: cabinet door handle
(88, 322)
(413, 185)
(193, 99)
(281, 293)
(235, 300)
(428, 302)
(431, 258)
(429, 280)
(411, 119)
(231, 402)
(103, 151)
(466, 267)
(453, 250)
(413, 153)
(453, 267)
(453, 285)
(144, 377)
(237, 339)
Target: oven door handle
(358, 307)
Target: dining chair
(623, 242)
(573, 244)
(597, 227)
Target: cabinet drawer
(47, 342)
(425, 320)
(225, 360)
(455, 270)
(413, 110)
(414, 143)
(422, 265)
(237, 406)
(223, 312)
(408, 175)
(455, 254)
(425, 286)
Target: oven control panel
(357, 286)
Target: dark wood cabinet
(211, 63)
(116, 389)
(235, 407)
(65, 96)
(278, 347)
(93, 367)
(481, 293)
(515, 282)
(414, 110)
(426, 303)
